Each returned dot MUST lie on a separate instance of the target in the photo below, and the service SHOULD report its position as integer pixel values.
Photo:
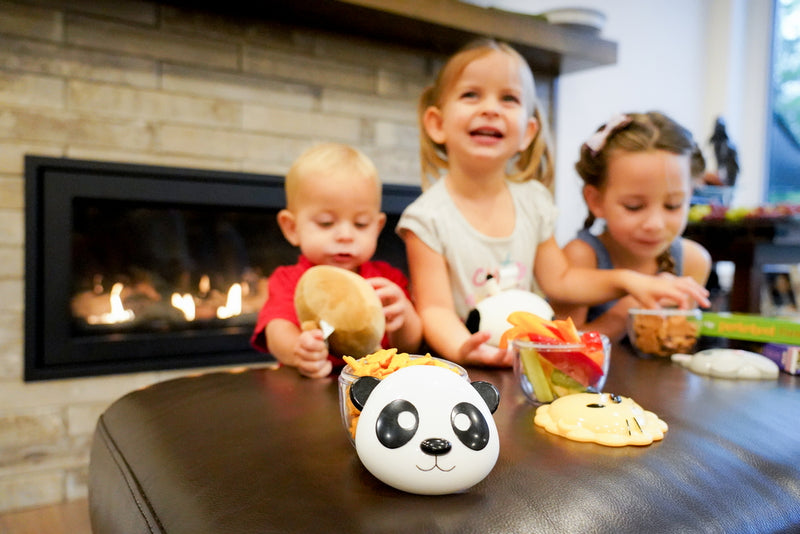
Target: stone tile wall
(134, 81)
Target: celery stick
(533, 370)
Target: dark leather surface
(265, 451)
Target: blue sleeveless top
(604, 262)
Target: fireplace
(136, 267)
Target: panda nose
(435, 446)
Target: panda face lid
(426, 430)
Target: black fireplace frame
(51, 184)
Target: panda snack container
(425, 429)
(347, 377)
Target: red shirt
(282, 283)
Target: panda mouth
(436, 466)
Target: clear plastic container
(664, 332)
(547, 371)
(348, 411)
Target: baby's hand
(311, 354)
(394, 302)
(475, 351)
(684, 291)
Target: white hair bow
(598, 140)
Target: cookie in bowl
(663, 332)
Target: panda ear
(488, 393)
(473, 321)
(361, 389)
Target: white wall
(660, 65)
(737, 81)
(692, 59)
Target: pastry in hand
(347, 303)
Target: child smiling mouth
(486, 132)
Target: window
(784, 127)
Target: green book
(751, 327)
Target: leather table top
(265, 451)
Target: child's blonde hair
(535, 162)
(637, 132)
(328, 159)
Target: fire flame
(233, 306)
(118, 313)
(184, 303)
(205, 285)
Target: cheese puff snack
(386, 361)
(381, 364)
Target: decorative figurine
(424, 429)
(490, 314)
(725, 154)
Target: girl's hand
(394, 301)
(475, 351)
(614, 322)
(311, 354)
(665, 288)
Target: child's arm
(577, 285)
(403, 325)
(578, 254)
(444, 331)
(305, 350)
(612, 322)
(696, 261)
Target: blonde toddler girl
(486, 211)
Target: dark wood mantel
(437, 25)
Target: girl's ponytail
(666, 263)
(431, 155)
(537, 162)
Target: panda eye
(470, 426)
(407, 420)
(396, 424)
(461, 421)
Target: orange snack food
(553, 359)
(380, 364)
(386, 361)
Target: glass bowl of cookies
(663, 332)
(380, 364)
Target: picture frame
(780, 290)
